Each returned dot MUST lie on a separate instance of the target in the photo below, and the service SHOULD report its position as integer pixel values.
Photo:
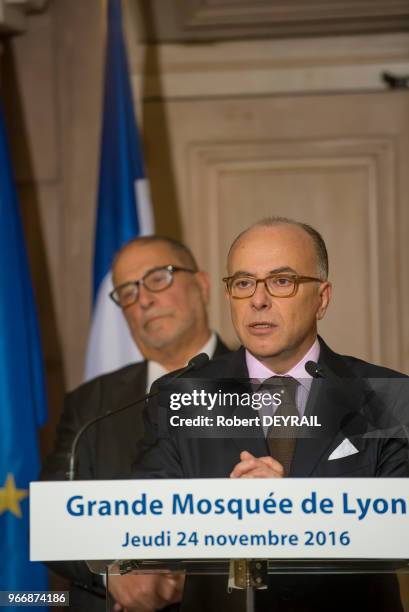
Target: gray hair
(182, 252)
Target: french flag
(124, 209)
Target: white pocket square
(345, 449)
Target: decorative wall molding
(269, 67)
(194, 20)
(13, 14)
(372, 160)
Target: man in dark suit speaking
(278, 289)
(163, 296)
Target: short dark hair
(318, 241)
(183, 253)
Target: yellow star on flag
(10, 497)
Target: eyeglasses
(155, 280)
(277, 285)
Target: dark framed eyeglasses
(241, 286)
(155, 280)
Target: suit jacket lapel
(220, 349)
(335, 400)
(129, 388)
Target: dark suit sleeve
(78, 408)
(391, 414)
(157, 453)
(393, 458)
(75, 413)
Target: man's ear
(325, 298)
(203, 281)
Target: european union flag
(124, 209)
(22, 391)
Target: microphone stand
(196, 362)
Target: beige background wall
(232, 131)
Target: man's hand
(145, 592)
(253, 467)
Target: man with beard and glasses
(163, 297)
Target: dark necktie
(281, 438)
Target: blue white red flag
(124, 209)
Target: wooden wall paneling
(13, 14)
(80, 31)
(54, 93)
(31, 97)
(330, 160)
(275, 67)
(340, 189)
(402, 247)
(192, 20)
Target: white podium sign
(293, 518)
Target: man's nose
(146, 298)
(261, 298)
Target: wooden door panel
(338, 162)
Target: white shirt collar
(156, 370)
(259, 371)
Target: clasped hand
(257, 467)
(146, 592)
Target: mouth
(261, 327)
(155, 318)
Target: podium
(246, 567)
(246, 574)
(245, 533)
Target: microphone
(317, 371)
(198, 361)
(194, 364)
(353, 423)
(314, 370)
